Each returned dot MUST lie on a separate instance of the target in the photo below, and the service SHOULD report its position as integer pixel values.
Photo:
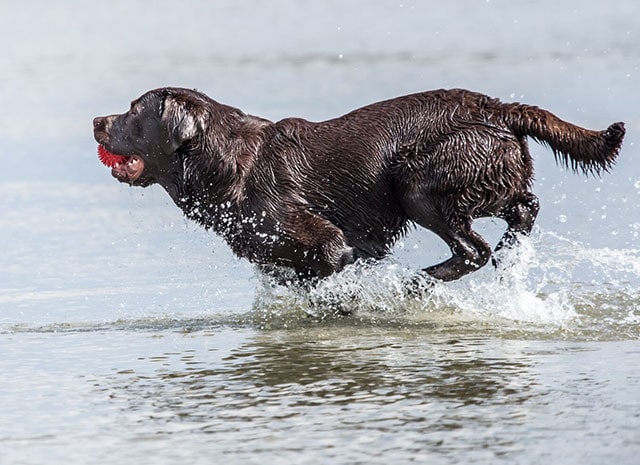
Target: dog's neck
(209, 178)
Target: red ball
(110, 159)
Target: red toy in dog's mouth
(123, 168)
(110, 159)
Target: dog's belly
(369, 216)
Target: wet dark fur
(317, 196)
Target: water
(129, 335)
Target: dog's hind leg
(470, 252)
(520, 217)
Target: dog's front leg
(316, 246)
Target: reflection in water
(344, 370)
(404, 386)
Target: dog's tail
(581, 149)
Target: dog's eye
(133, 111)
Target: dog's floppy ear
(180, 122)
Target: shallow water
(316, 394)
(129, 335)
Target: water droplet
(637, 184)
(562, 218)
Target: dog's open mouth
(123, 168)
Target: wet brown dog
(318, 196)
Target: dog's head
(149, 135)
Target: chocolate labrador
(315, 197)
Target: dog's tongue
(110, 159)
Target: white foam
(547, 281)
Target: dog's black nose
(98, 122)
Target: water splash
(548, 286)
